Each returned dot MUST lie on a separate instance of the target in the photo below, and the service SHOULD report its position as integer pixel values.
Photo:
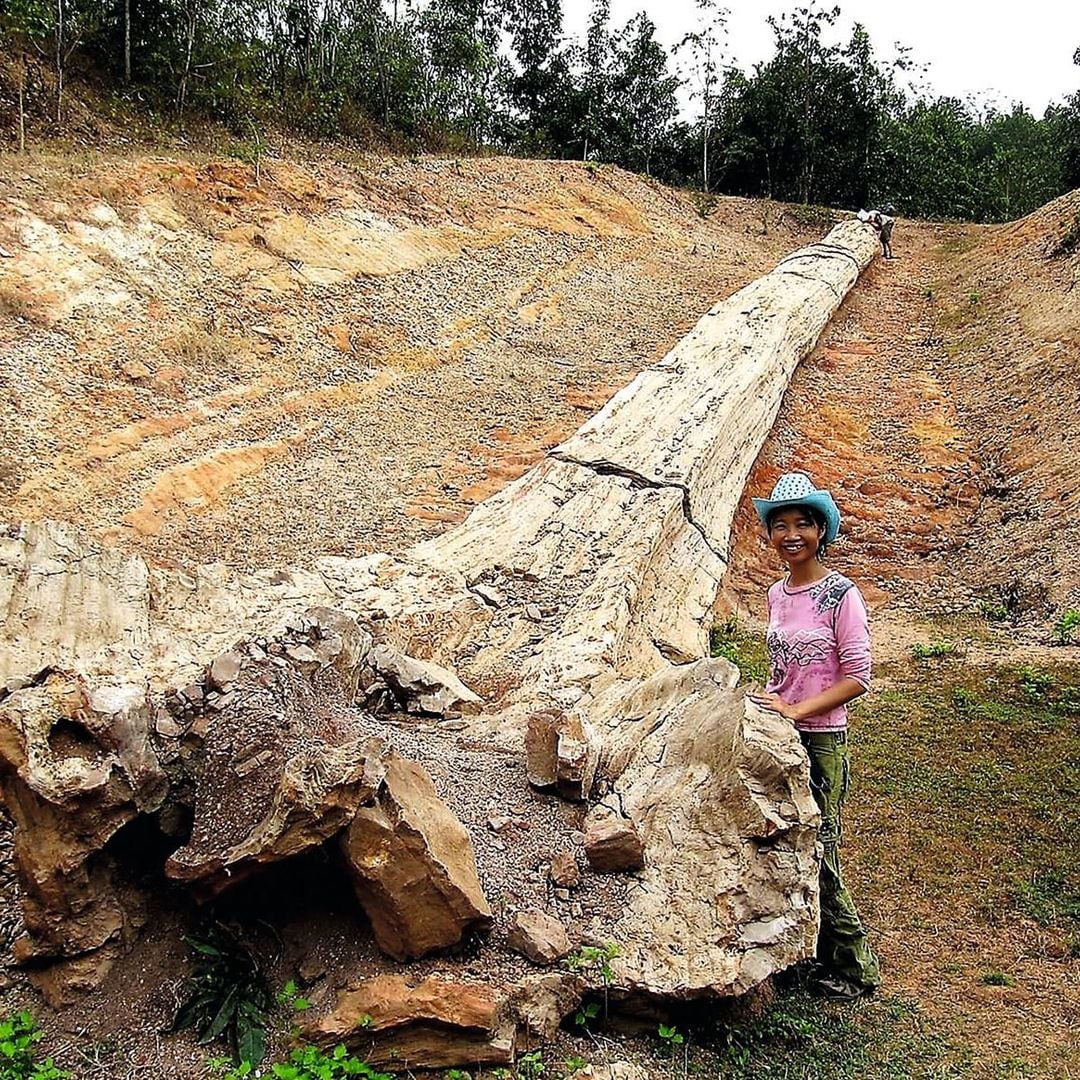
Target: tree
(595, 77)
(643, 93)
(704, 48)
(542, 76)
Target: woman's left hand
(774, 703)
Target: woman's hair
(815, 515)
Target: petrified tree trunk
(583, 591)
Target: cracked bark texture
(586, 586)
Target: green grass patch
(933, 650)
(743, 647)
(800, 1038)
(969, 779)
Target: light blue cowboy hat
(797, 489)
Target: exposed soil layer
(350, 356)
(942, 407)
(340, 360)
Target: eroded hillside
(341, 358)
(943, 406)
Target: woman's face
(795, 535)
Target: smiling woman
(819, 656)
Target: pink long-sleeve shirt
(818, 634)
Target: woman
(819, 653)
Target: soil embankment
(340, 359)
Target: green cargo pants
(843, 948)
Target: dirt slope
(350, 355)
(1011, 315)
(943, 408)
(341, 359)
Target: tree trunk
(181, 99)
(127, 41)
(576, 602)
(22, 107)
(59, 57)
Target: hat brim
(819, 500)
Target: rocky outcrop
(435, 1024)
(76, 766)
(413, 866)
(279, 759)
(719, 791)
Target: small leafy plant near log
(227, 995)
(19, 1036)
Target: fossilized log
(584, 588)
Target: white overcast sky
(1000, 52)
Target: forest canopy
(824, 120)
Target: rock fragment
(538, 936)
(224, 671)
(413, 866)
(560, 752)
(564, 870)
(613, 845)
(436, 1024)
(421, 685)
(281, 762)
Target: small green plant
(365, 1021)
(224, 1069)
(574, 1065)
(994, 611)
(997, 978)
(19, 1036)
(973, 298)
(458, 1074)
(311, 1063)
(964, 699)
(227, 995)
(670, 1037)
(933, 650)
(588, 1012)
(530, 1066)
(290, 997)
(1066, 626)
(1036, 687)
(594, 958)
